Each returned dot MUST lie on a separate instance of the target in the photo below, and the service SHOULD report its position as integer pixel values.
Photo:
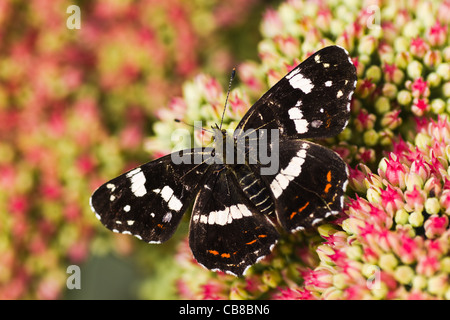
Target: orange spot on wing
(214, 252)
(251, 242)
(299, 210)
(262, 236)
(225, 255)
(329, 176)
(327, 188)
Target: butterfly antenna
(193, 126)
(233, 73)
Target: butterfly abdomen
(254, 189)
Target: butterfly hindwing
(309, 186)
(311, 101)
(227, 232)
(149, 201)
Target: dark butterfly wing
(227, 232)
(149, 201)
(311, 101)
(309, 186)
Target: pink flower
(293, 294)
(288, 45)
(49, 289)
(78, 252)
(364, 120)
(445, 201)
(85, 164)
(365, 88)
(212, 291)
(428, 265)
(212, 89)
(272, 24)
(437, 34)
(421, 168)
(419, 47)
(318, 280)
(246, 72)
(238, 106)
(405, 247)
(415, 199)
(391, 200)
(420, 107)
(435, 226)
(389, 71)
(19, 205)
(420, 88)
(395, 171)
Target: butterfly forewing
(311, 101)
(149, 201)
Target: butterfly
(240, 198)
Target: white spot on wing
(172, 201)
(167, 217)
(226, 216)
(316, 123)
(297, 81)
(301, 125)
(137, 179)
(329, 83)
(286, 175)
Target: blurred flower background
(78, 107)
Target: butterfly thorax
(228, 152)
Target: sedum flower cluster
(393, 241)
(392, 238)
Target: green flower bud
(433, 79)
(414, 69)
(354, 252)
(401, 44)
(446, 89)
(404, 274)
(271, 278)
(416, 219)
(438, 106)
(438, 284)
(388, 261)
(367, 45)
(445, 264)
(339, 281)
(419, 282)
(390, 90)
(401, 216)
(411, 29)
(371, 137)
(443, 70)
(374, 73)
(432, 206)
(404, 97)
